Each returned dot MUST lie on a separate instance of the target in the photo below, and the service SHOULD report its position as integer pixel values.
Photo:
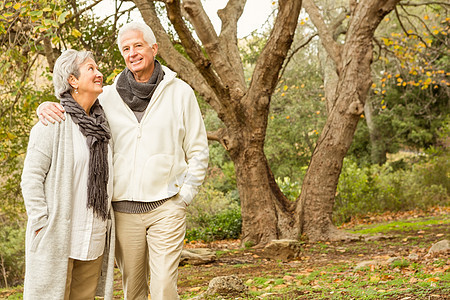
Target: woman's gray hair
(68, 64)
(147, 32)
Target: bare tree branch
(293, 52)
(193, 49)
(337, 27)
(208, 36)
(421, 21)
(271, 59)
(326, 35)
(228, 35)
(221, 136)
(426, 3)
(406, 31)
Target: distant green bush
(213, 215)
(291, 189)
(377, 188)
(224, 225)
(12, 254)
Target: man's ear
(155, 49)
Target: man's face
(138, 55)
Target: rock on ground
(226, 286)
(440, 247)
(284, 250)
(197, 256)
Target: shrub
(376, 188)
(291, 189)
(213, 215)
(12, 253)
(224, 225)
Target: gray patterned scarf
(135, 94)
(96, 130)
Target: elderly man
(160, 159)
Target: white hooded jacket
(167, 152)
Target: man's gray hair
(147, 32)
(68, 64)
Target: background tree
(353, 60)
(218, 76)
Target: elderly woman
(67, 189)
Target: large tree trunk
(353, 60)
(266, 213)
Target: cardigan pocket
(37, 238)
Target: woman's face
(90, 80)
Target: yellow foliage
(75, 32)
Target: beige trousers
(149, 245)
(82, 279)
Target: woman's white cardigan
(47, 182)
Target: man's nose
(131, 52)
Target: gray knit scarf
(135, 94)
(96, 130)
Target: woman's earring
(76, 90)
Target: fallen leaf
(432, 279)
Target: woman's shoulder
(43, 135)
(50, 128)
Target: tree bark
(353, 60)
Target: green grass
(400, 226)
